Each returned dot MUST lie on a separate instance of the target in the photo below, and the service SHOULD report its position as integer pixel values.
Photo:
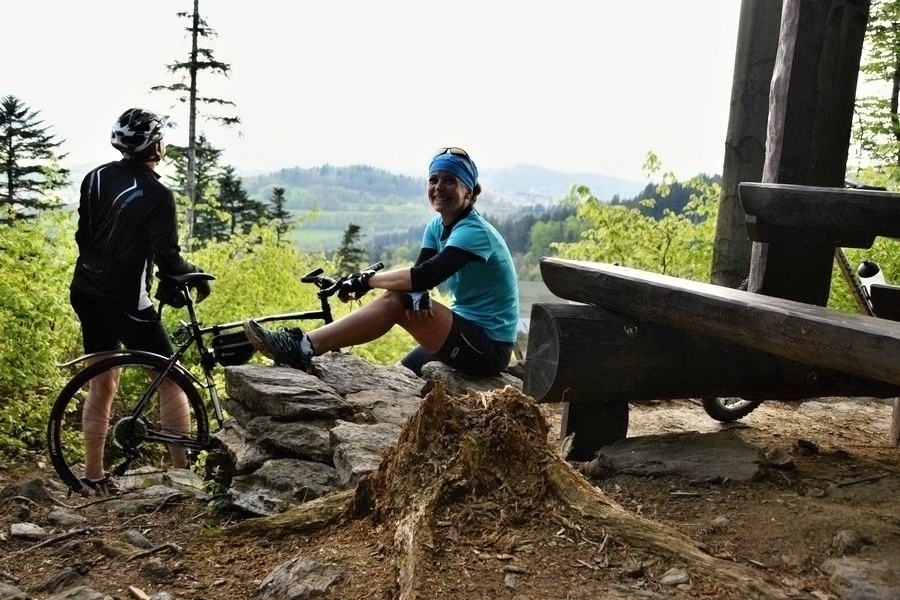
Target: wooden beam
(581, 354)
(863, 346)
(833, 213)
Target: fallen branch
(49, 541)
(857, 480)
(175, 548)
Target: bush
(39, 327)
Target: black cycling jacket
(126, 223)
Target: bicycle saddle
(185, 278)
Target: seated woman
(474, 334)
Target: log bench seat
(634, 335)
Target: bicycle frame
(222, 344)
(192, 333)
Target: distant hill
(545, 186)
(521, 184)
(391, 205)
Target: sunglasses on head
(454, 151)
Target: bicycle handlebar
(332, 289)
(328, 286)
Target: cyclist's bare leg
(175, 417)
(377, 317)
(95, 420)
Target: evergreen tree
(279, 213)
(204, 217)
(243, 212)
(30, 163)
(350, 256)
(199, 59)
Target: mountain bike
(136, 441)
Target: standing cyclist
(126, 224)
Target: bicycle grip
(312, 276)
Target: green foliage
(678, 244)
(241, 212)
(341, 196)
(876, 128)
(281, 218)
(205, 220)
(367, 182)
(257, 276)
(39, 327)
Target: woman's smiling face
(446, 194)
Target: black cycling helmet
(136, 130)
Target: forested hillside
(391, 208)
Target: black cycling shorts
(105, 328)
(467, 348)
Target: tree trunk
(191, 181)
(745, 143)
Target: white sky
(570, 85)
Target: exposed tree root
(305, 518)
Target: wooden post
(810, 116)
(745, 138)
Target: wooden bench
(638, 335)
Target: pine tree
(350, 256)
(242, 211)
(199, 59)
(30, 163)
(203, 216)
(279, 214)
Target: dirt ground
(514, 544)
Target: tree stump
(485, 459)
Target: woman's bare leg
(377, 317)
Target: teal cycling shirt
(484, 291)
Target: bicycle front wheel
(146, 428)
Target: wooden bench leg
(895, 424)
(593, 424)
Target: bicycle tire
(728, 410)
(130, 442)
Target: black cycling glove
(202, 287)
(356, 286)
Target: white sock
(306, 346)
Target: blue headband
(464, 170)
